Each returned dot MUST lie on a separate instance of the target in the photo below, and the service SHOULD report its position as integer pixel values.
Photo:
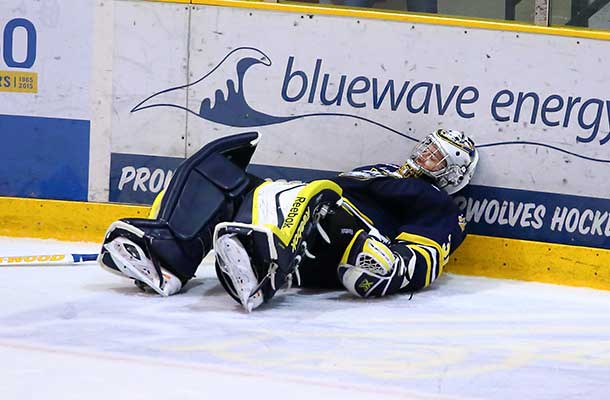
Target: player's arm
(429, 258)
(371, 268)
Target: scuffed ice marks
(462, 330)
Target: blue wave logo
(228, 105)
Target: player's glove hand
(369, 268)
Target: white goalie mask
(447, 156)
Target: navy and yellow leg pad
(285, 224)
(207, 188)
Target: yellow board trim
(63, 220)
(532, 261)
(434, 19)
(478, 255)
(427, 258)
(171, 1)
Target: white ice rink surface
(82, 333)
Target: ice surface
(82, 333)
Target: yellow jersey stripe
(360, 213)
(417, 239)
(436, 264)
(426, 256)
(349, 248)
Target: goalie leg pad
(205, 190)
(275, 246)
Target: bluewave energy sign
(537, 106)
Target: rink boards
(103, 107)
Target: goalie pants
(321, 272)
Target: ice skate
(125, 257)
(234, 261)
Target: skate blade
(124, 262)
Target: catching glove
(370, 268)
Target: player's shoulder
(373, 171)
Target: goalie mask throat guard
(448, 157)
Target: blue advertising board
(44, 158)
(490, 211)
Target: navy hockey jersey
(411, 212)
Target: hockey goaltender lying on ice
(376, 230)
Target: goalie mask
(446, 156)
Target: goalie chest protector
(410, 206)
